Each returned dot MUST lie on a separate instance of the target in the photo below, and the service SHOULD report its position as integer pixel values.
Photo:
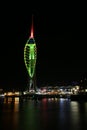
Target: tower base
(32, 85)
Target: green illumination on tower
(30, 56)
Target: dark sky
(61, 36)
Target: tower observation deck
(30, 56)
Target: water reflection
(45, 114)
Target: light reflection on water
(45, 114)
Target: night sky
(61, 36)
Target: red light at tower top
(32, 30)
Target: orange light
(32, 30)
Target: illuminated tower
(30, 56)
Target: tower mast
(32, 29)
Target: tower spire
(32, 29)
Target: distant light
(77, 87)
(85, 90)
(24, 93)
(2, 95)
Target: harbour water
(45, 114)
